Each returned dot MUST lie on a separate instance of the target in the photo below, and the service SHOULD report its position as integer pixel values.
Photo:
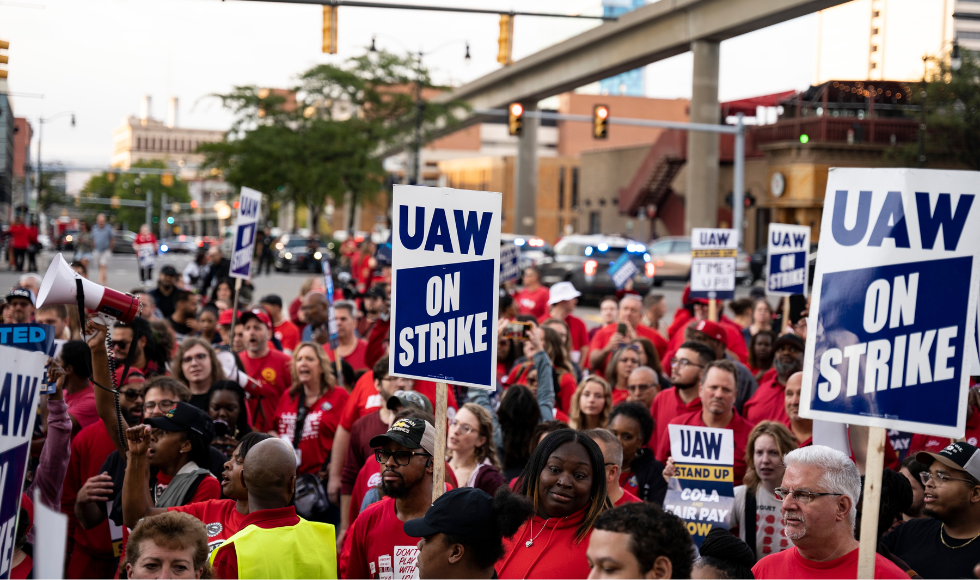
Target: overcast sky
(98, 57)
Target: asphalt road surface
(123, 275)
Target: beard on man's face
(786, 368)
(395, 489)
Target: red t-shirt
(226, 561)
(274, 371)
(566, 388)
(287, 333)
(790, 564)
(356, 357)
(601, 339)
(318, 429)
(369, 477)
(365, 398)
(627, 498)
(578, 331)
(667, 405)
(145, 239)
(768, 403)
(740, 429)
(554, 554)
(533, 302)
(81, 406)
(378, 547)
(21, 236)
(89, 450)
(220, 517)
(934, 444)
(359, 450)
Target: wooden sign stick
(786, 323)
(874, 465)
(439, 467)
(712, 310)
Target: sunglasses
(131, 394)
(123, 344)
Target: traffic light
(330, 29)
(506, 40)
(600, 121)
(749, 199)
(167, 180)
(515, 119)
(4, 45)
(170, 220)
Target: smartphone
(621, 329)
(518, 330)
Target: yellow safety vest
(306, 550)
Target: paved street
(124, 276)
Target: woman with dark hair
(623, 362)
(207, 325)
(642, 474)
(226, 405)
(463, 532)
(507, 353)
(564, 478)
(518, 414)
(722, 555)
(563, 375)
(761, 319)
(223, 290)
(761, 353)
(541, 430)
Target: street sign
(713, 253)
(622, 270)
(446, 266)
(510, 267)
(789, 268)
(249, 203)
(894, 295)
(702, 492)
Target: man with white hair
(607, 340)
(32, 282)
(820, 491)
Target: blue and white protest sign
(35, 338)
(789, 268)
(622, 270)
(249, 204)
(894, 296)
(383, 254)
(713, 253)
(510, 267)
(21, 376)
(445, 270)
(701, 492)
(331, 313)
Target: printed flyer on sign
(444, 279)
(702, 492)
(894, 300)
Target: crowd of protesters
(242, 442)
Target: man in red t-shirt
(349, 347)
(282, 329)
(533, 299)
(609, 338)
(271, 368)
(563, 297)
(718, 390)
(769, 401)
(684, 396)
(376, 543)
(819, 520)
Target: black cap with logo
(185, 417)
(411, 433)
(958, 455)
(462, 512)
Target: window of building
(595, 222)
(561, 191)
(874, 65)
(874, 31)
(574, 204)
(874, 48)
(876, 14)
(138, 143)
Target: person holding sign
(612, 336)
(146, 249)
(566, 477)
(819, 496)
(718, 391)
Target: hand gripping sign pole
(444, 279)
(896, 281)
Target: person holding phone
(614, 335)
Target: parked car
(292, 254)
(584, 260)
(178, 245)
(124, 242)
(534, 251)
(671, 258)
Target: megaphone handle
(80, 299)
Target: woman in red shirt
(20, 239)
(316, 397)
(145, 245)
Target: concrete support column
(701, 209)
(526, 175)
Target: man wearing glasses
(377, 543)
(642, 386)
(944, 544)
(820, 490)
(686, 368)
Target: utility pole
(419, 109)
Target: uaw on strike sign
(894, 296)
(445, 269)
(789, 266)
(249, 203)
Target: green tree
(323, 138)
(132, 186)
(52, 188)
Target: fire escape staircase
(651, 184)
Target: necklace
(941, 529)
(530, 542)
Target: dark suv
(584, 260)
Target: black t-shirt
(181, 330)
(917, 542)
(165, 303)
(649, 476)
(201, 402)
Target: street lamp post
(40, 132)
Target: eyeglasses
(642, 387)
(683, 362)
(800, 497)
(164, 405)
(131, 394)
(402, 458)
(199, 357)
(462, 427)
(123, 344)
(925, 476)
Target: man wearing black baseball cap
(769, 401)
(462, 533)
(945, 544)
(163, 294)
(376, 542)
(21, 305)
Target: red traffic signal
(515, 119)
(600, 121)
